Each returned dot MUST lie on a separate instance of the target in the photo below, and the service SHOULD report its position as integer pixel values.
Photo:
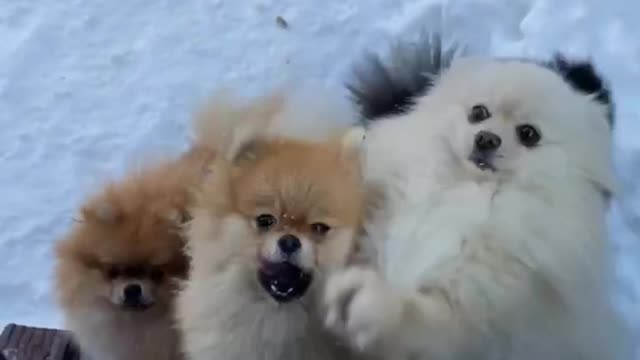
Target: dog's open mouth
(284, 281)
(481, 161)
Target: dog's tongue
(283, 280)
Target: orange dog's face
(300, 202)
(304, 207)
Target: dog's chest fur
(124, 336)
(266, 331)
(428, 236)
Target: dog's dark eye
(478, 113)
(528, 135)
(113, 272)
(156, 275)
(320, 228)
(265, 221)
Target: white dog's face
(492, 141)
(510, 119)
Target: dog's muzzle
(134, 299)
(482, 161)
(485, 145)
(283, 279)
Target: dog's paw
(362, 308)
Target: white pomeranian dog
(495, 176)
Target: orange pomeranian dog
(276, 213)
(118, 266)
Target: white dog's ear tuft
(353, 138)
(582, 76)
(351, 144)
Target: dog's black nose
(487, 141)
(289, 244)
(132, 294)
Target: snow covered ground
(86, 88)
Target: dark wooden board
(18, 342)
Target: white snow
(89, 88)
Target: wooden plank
(19, 342)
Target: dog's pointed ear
(582, 76)
(101, 211)
(352, 141)
(236, 128)
(244, 148)
(249, 133)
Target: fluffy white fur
(511, 264)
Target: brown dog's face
(126, 260)
(126, 250)
(138, 287)
(303, 204)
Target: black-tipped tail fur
(381, 89)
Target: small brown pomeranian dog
(118, 266)
(276, 213)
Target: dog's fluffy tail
(382, 89)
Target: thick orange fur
(135, 222)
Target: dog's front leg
(377, 318)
